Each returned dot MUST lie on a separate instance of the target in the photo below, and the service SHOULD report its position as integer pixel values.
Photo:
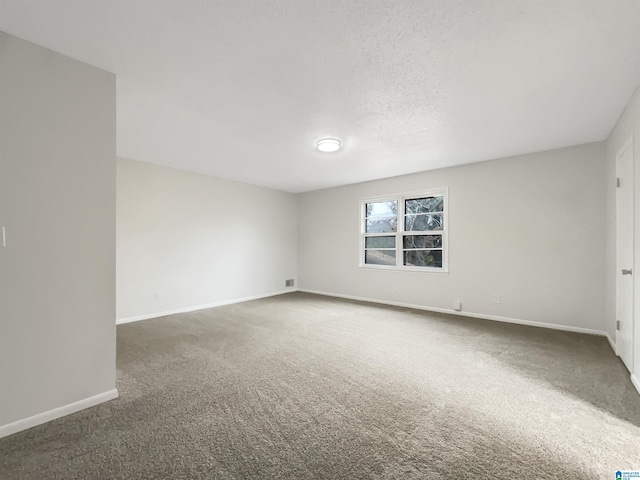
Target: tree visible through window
(405, 231)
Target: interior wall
(198, 240)
(627, 125)
(528, 228)
(57, 202)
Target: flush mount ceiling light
(328, 145)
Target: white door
(624, 255)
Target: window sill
(404, 270)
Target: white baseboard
(137, 318)
(636, 382)
(614, 347)
(68, 409)
(483, 316)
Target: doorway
(624, 254)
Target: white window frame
(400, 231)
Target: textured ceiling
(241, 89)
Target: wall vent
(289, 283)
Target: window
(406, 232)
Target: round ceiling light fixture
(328, 145)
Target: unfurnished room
(341, 239)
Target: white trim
(68, 409)
(483, 316)
(137, 318)
(636, 381)
(614, 347)
(402, 270)
(628, 143)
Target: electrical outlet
(289, 283)
(157, 296)
(457, 305)
(496, 298)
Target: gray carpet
(307, 387)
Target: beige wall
(57, 201)
(628, 125)
(529, 228)
(198, 240)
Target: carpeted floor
(308, 387)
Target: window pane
(380, 242)
(422, 241)
(424, 222)
(380, 257)
(381, 225)
(424, 205)
(382, 209)
(423, 258)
